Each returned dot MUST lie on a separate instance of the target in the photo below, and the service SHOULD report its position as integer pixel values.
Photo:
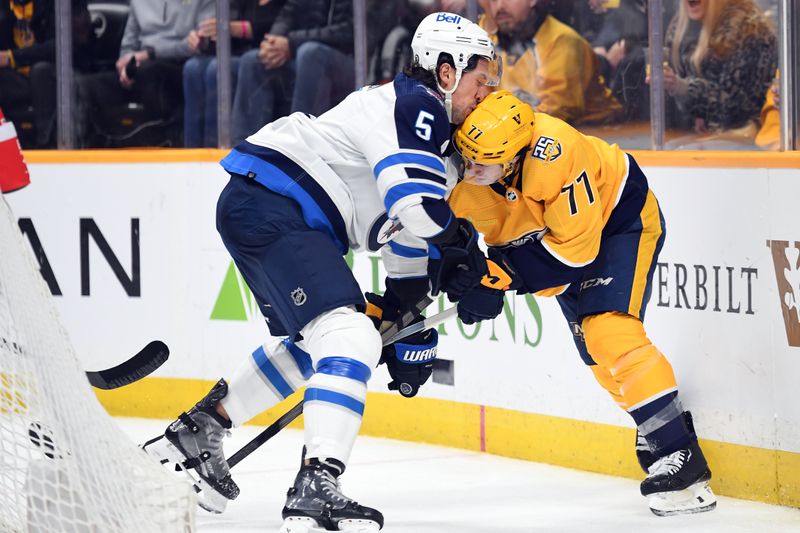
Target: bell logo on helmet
(448, 17)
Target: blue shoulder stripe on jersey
(344, 367)
(272, 374)
(336, 398)
(301, 358)
(408, 158)
(400, 191)
(278, 173)
(419, 174)
(407, 251)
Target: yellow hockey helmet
(495, 132)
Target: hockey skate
(316, 504)
(678, 483)
(193, 444)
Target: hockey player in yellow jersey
(569, 215)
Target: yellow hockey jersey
(559, 75)
(555, 208)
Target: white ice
(431, 489)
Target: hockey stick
(140, 365)
(393, 334)
(497, 278)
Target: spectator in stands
(620, 43)
(154, 47)
(548, 64)
(722, 58)
(250, 20)
(310, 45)
(769, 135)
(27, 60)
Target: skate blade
(302, 524)
(171, 457)
(697, 498)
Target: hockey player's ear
(447, 76)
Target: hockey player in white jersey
(369, 174)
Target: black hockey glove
(485, 301)
(480, 303)
(457, 265)
(409, 360)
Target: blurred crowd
(145, 71)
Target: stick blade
(140, 365)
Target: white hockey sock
(333, 409)
(273, 372)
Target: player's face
(477, 174)
(696, 8)
(472, 89)
(509, 15)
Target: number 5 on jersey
(422, 127)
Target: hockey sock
(273, 372)
(333, 407)
(345, 346)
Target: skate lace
(332, 487)
(670, 464)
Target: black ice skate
(315, 503)
(194, 442)
(678, 483)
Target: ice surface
(431, 489)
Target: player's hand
(480, 303)
(457, 266)
(409, 360)
(485, 301)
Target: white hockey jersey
(368, 172)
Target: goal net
(64, 464)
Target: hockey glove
(409, 360)
(485, 301)
(480, 303)
(457, 265)
(401, 295)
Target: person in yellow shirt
(569, 215)
(547, 63)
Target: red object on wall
(13, 170)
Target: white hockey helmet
(453, 34)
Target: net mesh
(64, 463)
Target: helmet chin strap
(448, 95)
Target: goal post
(64, 463)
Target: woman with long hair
(722, 56)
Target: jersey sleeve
(405, 256)
(408, 165)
